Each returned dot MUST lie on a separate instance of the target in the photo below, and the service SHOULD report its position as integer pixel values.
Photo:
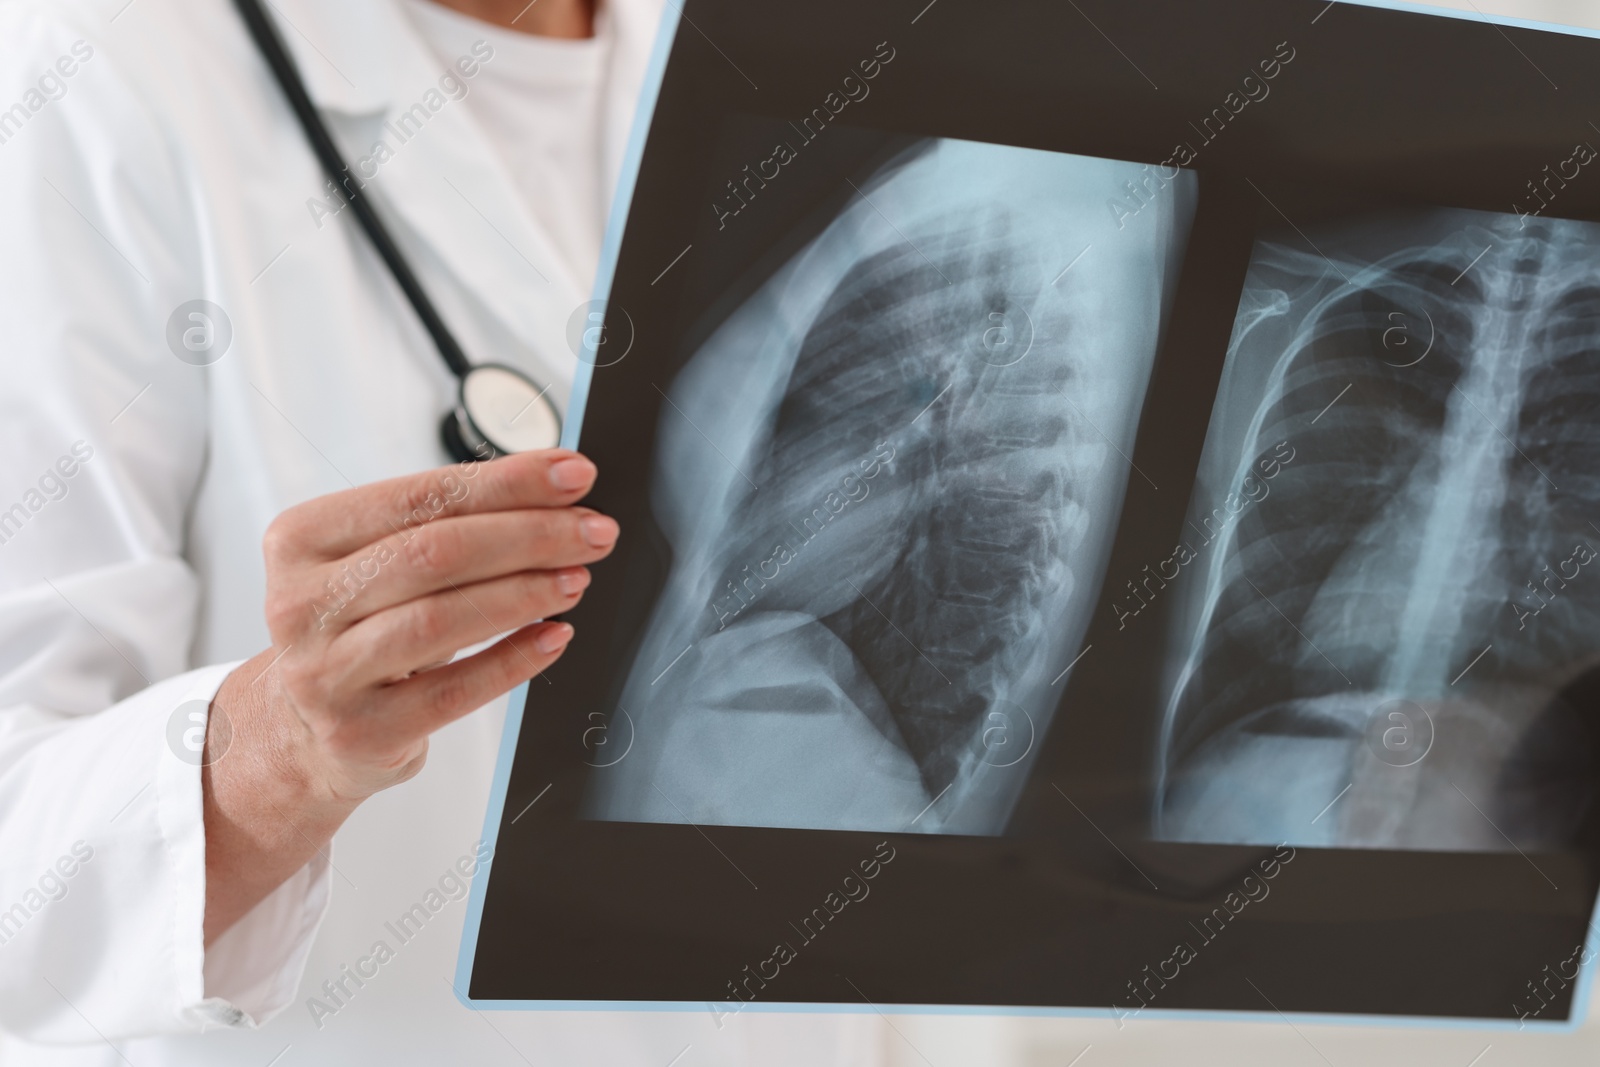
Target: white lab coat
(156, 164)
(170, 170)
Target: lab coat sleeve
(102, 444)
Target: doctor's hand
(370, 593)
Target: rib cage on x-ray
(889, 481)
(1442, 410)
(968, 584)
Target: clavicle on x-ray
(890, 482)
(1387, 578)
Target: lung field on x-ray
(889, 481)
(1427, 554)
(994, 486)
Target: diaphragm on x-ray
(890, 481)
(1387, 579)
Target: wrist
(272, 759)
(268, 811)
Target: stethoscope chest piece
(500, 411)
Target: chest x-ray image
(890, 480)
(1389, 606)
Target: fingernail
(599, 531)
(572, 582)
(574, 473)
(555, 638)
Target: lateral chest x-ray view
(890, 482)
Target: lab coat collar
(363, 59)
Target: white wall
(1569, 12)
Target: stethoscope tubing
(288, 77)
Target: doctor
(217, 408)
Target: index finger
(335, 525)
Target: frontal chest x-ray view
(890, 481)
(1389, 602)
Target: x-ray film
(1110, 520)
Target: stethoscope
(499, 410)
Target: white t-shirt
(538, 102)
